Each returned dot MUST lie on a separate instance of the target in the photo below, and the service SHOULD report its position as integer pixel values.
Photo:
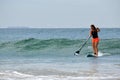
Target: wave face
(37, 44)
(32, 44)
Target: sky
(60, 13)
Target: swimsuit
(95, 36)
(95, 39)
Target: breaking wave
(31, 44)
(15, 75)
(37, 44)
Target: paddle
(78, 52)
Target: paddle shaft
(84, 44)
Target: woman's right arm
(90, 32)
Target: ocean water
(48, 54)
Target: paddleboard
(90, 55)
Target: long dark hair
(93, 28)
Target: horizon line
(54, 27)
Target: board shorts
(95, 39)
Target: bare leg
(96, 48)
(93, 45)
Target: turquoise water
(45, 54)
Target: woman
(95, 39)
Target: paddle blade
(76, 53)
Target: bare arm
(90, 33)
(98, 30)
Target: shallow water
(48, 54)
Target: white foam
(21, 74)
(102, 54)
(14, 75)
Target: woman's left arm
(98, 30)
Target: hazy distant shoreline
(53, 27)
